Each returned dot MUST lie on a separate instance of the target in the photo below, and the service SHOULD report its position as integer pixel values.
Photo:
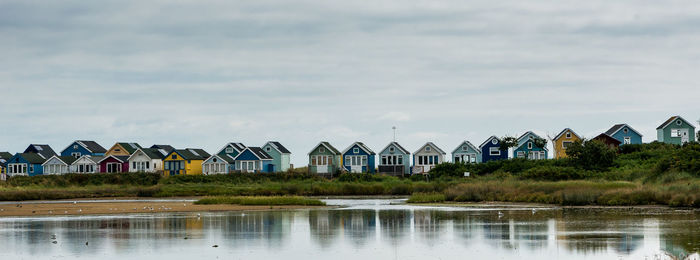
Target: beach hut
(526, 147)
(466, 152)
(427, 157)
(80, 148)
(147, 160)
(281, 157)
(625, 134)
(324, 159)
(491, 150)
(25, 164)
(184, 162)
(394, 160)
(253, 159)
(358, 158)
(676, 130)
(58, 165)
(86, 164)
(562, 141)
(123, 149)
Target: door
(270, 168)
(174, 167)
(684, 136)
(322, 165)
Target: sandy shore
(101, 207)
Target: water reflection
(410, 232)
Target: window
(494, 151)
(173, 157)
(117, 150)
(494, 141)
(473, 159)
(675, 133)
(400, 160)
(420, 160)
(267, 149)
(347, 160)
(628, 140)
(464, 148)
(427, 148)
(313, 160)
(566, 144)
(76, 155)
(364, 160)
(321, 150)
(355, 150)
(436, 160)
(529, 145)
(625, 130)
(678, 122)
(229, 150)
(430, 160)
(384, 160)
(214, 160)
(568, 135)
(391, 150)
(456, 159)
(75, 146)
(521, 155)
(133, 165)
(250, 166)
(31, 168)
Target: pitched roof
(258, 152)
(328, 146)
(120, 158)
(618, 127)
(403, 150)
(468, 144)
(199, 152)
(153, 153)
(130, 147)
(33, 158)
(94, 159)
(430, 144)
(226, 157)
(279, 147)
(362, 146)
(606, 136)
(67, 159)
(164, 147)
(91, 146)
(5, 155)
(670, 120)
(43, 149)
(522, 141)
(192, 154)
(488, 140)
(564, 131)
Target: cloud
(203, 73)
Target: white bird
(500, 214)
(533, 211)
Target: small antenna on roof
(394, 128)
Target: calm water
(364, 229)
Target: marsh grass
(263, 201)
(426, 198)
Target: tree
(507, 142)
(591, 154)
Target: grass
(426, 198)
(263, 201)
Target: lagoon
(362, 229)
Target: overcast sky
(204, 73)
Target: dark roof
(154, 153)
(224, 157)
(280, 147)
(605, 136)
(92, 146)
(614, 129)
(165, 147)
(192, 154)
(130, 147)
(5, 155)
(238, 146)
(617, 127)
(330, 147)
(67, 159)
(33, 158)
(670, 120)
(362, 146)
(200, 152)
(260, 153)
(42, 149)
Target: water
(363, 229)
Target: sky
(201, 74)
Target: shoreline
(113, 206)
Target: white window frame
(494, 141)
(321, 150)
(355, 150)
(497, 151)
(568, 135)
(564, 144)
(229, 150)
(529, 145)
(678, 122)
(427, 148)
(465, 148)
(627, 140)
(392, 149)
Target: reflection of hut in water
(394, 224)
(610, 230)
(324, 226)
(250, 227)
(358, 225)
(427, 225)
(465, 225)
(532, 234)
(496, 231)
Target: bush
(591, 155)
(551, 173)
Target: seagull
(533, 211)
(500, 214)
(86, 243)
(55, 242)
(75, 202)
(215, 246)
(53, 237)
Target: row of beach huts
(90, 157)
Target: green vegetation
(265, 201)
(648, 174)
(426, 198)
